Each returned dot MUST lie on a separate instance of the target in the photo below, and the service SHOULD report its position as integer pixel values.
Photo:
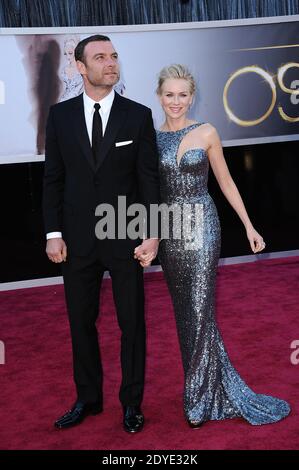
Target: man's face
(101, 66)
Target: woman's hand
(147, 251)
(255, 239)
(144, 260)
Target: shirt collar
(105, 103)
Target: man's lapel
(116, 119)
(81, 133)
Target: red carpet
(257, 310)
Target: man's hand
(56, 250)
(147, 251)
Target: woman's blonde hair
(176, 71)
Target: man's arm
(53, 194)
(53, 180)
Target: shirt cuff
(54, 235)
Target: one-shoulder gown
(213, 389)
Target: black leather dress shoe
(133, 419)
(77, 414)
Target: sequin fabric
(213, 390)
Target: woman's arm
(228, 187)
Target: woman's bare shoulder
(208, 128)
(206, 131)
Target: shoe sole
(132, 431)
(195, 425)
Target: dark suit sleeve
(147, 170)
(53, 180)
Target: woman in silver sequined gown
(213, 389)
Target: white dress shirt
(106, 104)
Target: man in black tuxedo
(99, 146)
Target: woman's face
(175, 97)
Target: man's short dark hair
(79, 51)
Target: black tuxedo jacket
(73, 186)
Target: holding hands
(147, 251)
